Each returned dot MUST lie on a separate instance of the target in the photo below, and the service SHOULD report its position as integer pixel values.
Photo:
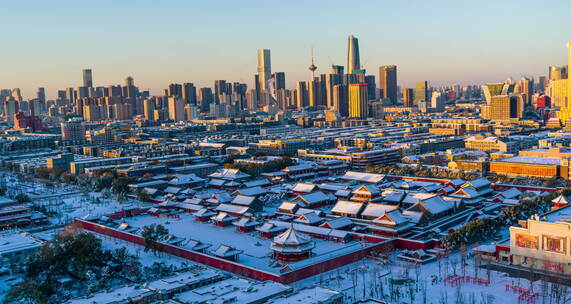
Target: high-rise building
(176, 109)
(438, 101)
(408, 97)
(175, 90)
(149, 109)
(371, 86)
(358, 100)
(189, 93)
(337, 69)
(504, 108)
(219, 89)
(41, 94)
(560, 92)
(206, 98)
(280, 82)
(421, 93)
(388, 82)
(353, 61)
(331, 80)
(341, 99)
(87, 78)
(264, 68)
(302, 94)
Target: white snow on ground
(145, 258)
(256, 249)
(371, 278)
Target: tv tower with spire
(312, 67)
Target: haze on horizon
(47, 44)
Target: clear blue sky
(47, 43)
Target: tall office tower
(541, 84)
(114, 91)
(10, 108)
(493, 89)
(337, 69)
(257, 89)
(264, 68)
(504, 108)
(353, 61)
(438, 101)
(421, 93)
(189, 93)
(560, 92)
(87, 78)
(388, 82)
(129, 90)
(557, 73)
(219, 89)
(41, 94)
(70, 95)
(251, 99)
(358, 100)
(149, 109)
(17, 94)
(175, 90)
(279, 78)
(302, 96)
(526, 89)
(191, 111)
(341, 100)
(408, 97)
(82, 92)
(350, 78)
(176, 109)
(331, 80)
(313, 91)
(206, 98)
(129, 81)
(61, 94)
(371, 86)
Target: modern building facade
(388, 82)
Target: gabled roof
(376, 210)
(270, 227)
(223, 217)
(561, 200)
(363, 177)
(243, 200)
(435, 205)
(225, 251)
(510, 193)
(304, 187)
(481, 182)
(338, 223)
(228, 174)
(310, 218)
(235, 209)
(348, 207)
(367, 189)
(312, 198)
(254, 191)
(394, 217)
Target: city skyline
(464, 53)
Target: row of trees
(484, 229)
(256, 170)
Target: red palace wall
(286, 278)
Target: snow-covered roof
(229, 174)
(243, 200)
(363, 177)
(304, 187)
(312, 198)
(290, 237)
(347, 208)
(376, 210)
(254, 191)
(235, 209)
(225, 251)
(560, 200)
(338, 223)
